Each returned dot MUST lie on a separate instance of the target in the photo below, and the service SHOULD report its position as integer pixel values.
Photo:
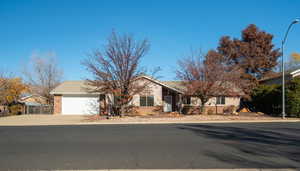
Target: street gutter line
(241, 169)
(145, 123)
(189, 122)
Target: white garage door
(79, 105)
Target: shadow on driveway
(268, 146)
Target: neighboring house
(29, 104)
(32, 99)
(34, 104)
(277, 79)
(72, 98)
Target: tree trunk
(122, 111)
(202, 107)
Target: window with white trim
(220, 100)
(146, 101)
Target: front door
(167, 103)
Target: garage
(79, 105)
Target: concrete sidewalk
(37, 120)
(42, 119)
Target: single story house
(72, 98)
(35, 104)
(27, 104)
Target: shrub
(293, 98)
(229, 110)
(268, 99)
(15, 109)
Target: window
(102, 97)
(146, 101)
(186, 100)
(221, 100)
(117, 100)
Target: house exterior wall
(157, 91)
(152, 89)
(57, 104)
(235, 101)
(194, 110)
(146, 110)
(211, 106)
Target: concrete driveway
(26, 120)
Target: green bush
(268, 99)
(229, 110)
(293, 98)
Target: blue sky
(72, 28)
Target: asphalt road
(243, 145)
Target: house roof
(26, 96)
(291, 73)
(71, 87)
(175, 84)
(296, 73)
(80, 87)
(32, 104)
(168, 84)
(272, 77)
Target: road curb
(149, 123)
(187, 122)
(250, 169)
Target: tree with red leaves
(254, 54)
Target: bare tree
(207, 76)
(43, 76)
(117, 67)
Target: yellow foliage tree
(11, 90)
(293, 62)
(295, 56)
